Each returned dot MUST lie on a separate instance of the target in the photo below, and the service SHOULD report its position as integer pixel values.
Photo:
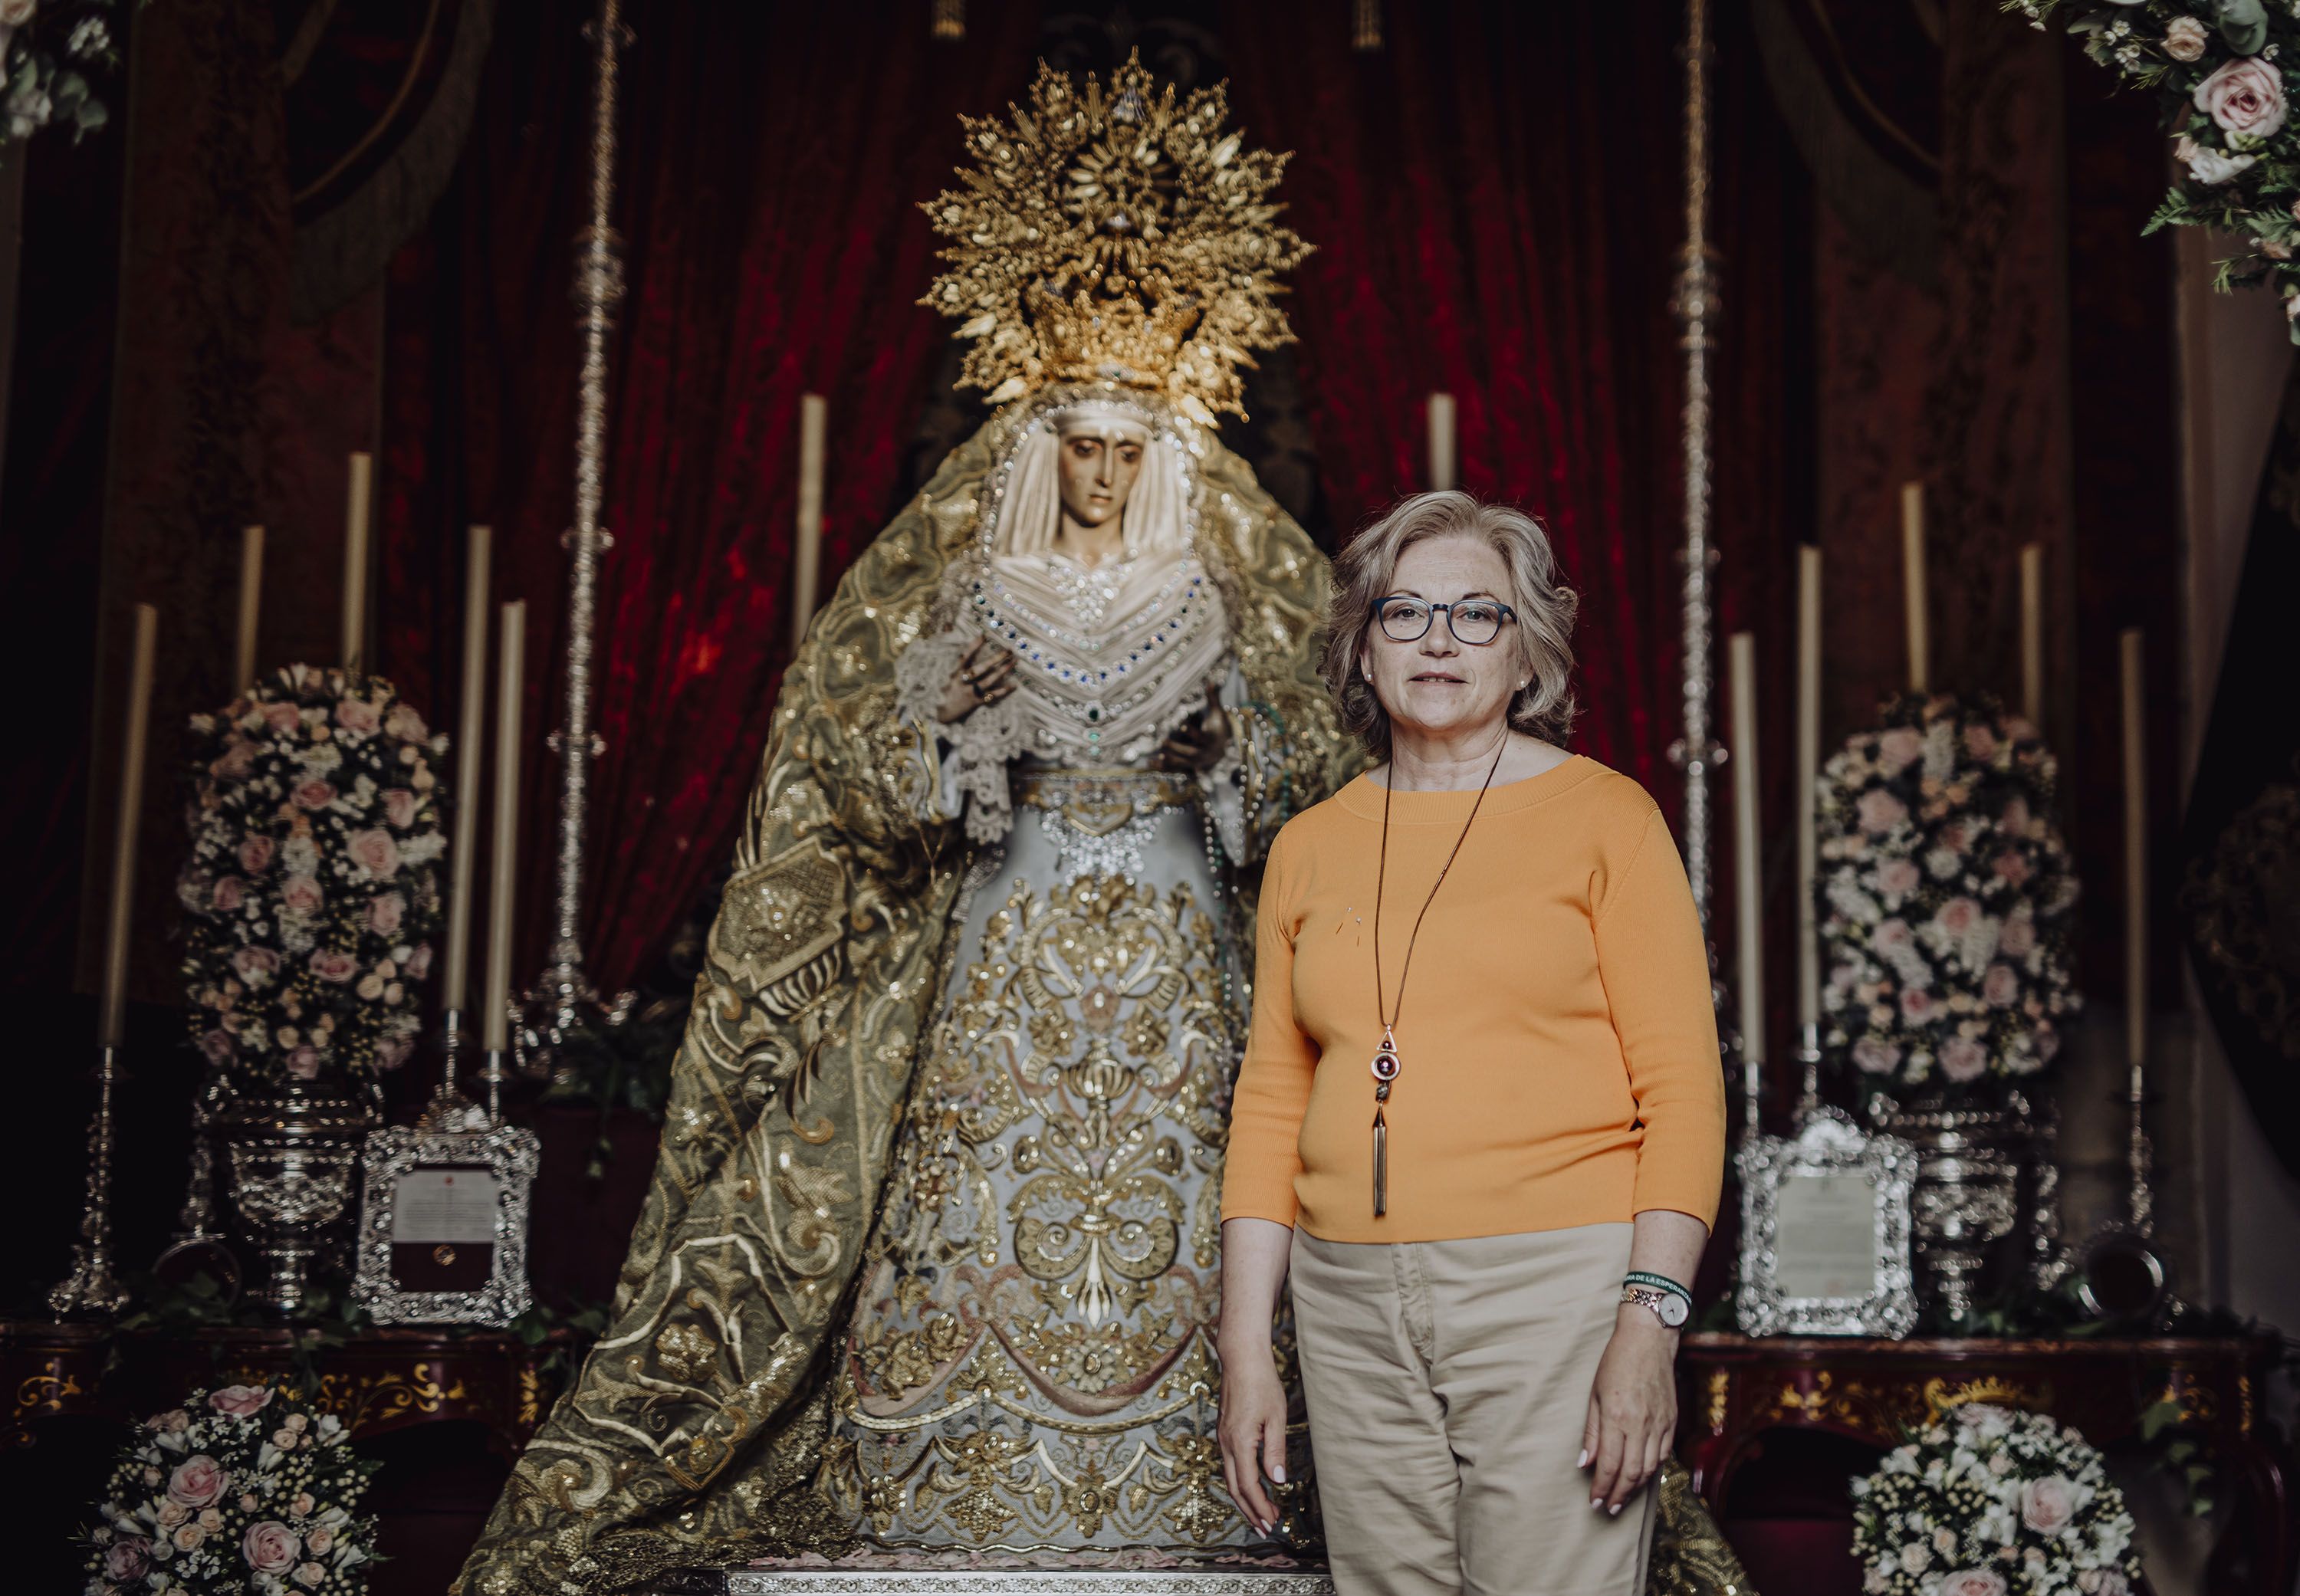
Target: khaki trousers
(1447, 1385)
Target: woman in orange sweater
(1482, 1117)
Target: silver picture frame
(510, 1155)
(1825, 1239)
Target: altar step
(767, 1579)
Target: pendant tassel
(1380, 1164)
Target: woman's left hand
(1632, 1408)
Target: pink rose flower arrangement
(244, 1488)
(2218, 74)
(1944, 901)
(312, 891)
(1992, 1502)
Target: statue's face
(1099, 465)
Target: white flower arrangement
(1945, 896)
(244, 1490)
(313, 884)
(48, 50)
(2217, 68)
(1992, 1502)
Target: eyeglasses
(1474, 621)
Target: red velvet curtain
(773, 161)
(1497, 195)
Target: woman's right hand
(985, 675)
(1253, 1430)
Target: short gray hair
(1366, 570)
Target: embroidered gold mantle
(696, 1423)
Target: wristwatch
(1667, 1306)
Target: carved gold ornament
(1118, 235)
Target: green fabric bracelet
(1658, 1281)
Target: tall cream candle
(495, 1026)
(1748, 883)
(361, 493)
(250, 605)
(463, 860)
(2032, 634)
(806, 567)
(1808, 781)
(1912, 584)
(2136, 857)
(110, 1023)
(1443, 459)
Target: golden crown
(1118, 235)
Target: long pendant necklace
(1387, 1063)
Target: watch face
(1673, 1310)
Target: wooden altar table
(1736, 1388)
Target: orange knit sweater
(1560, 1052)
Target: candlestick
(2032, 634)
(806, 567)
(2135, 931)
(1913, 582)
(1442, 457)
(355, 513)
(1748, 885)
(495, 1023)
(1808, 841)
(251, 603)
(463, 860)
(91, 1285)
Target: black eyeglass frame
(1381, 619)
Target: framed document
(1825, 1233)
(442, 1225)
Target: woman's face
(1098, 469)
(1437, 685)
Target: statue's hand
(985, 675)
(1199, 743)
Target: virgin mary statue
(929, 1257)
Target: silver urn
(1978, 1167)
(293, 1161)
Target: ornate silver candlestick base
(92, 1287)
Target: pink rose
(2113, 1582)
(1898, 749)
(2185, 38)
(1875, 1057)
(198, 1480)
(383, 914)
(284, 1439)
(406, 724)
(175, 1421)
(237, 759)
(218, 1046)
(296, 1422)
(2000, 987)
(1879, 810)
(210, 1520)
(301, 895)
(171, 1514)
(312, 793)
(228, 894)
(1898, 875)
(282, 717)
(304, 1063)
(310, 1575)
(1956, 916)
(2019, 937)
(1892, 935)
(419, 962)
(240, 1401)
(1962, 1058)
(399, 807)
(2015, 818)
(1980, 741)
(1917, 1005)
(392, 1055)
(247, 1504)
(2048, 1506)
(2012, 869)
(255, 854)
(1973, 1581)
(2245, 97)
(319, 1540)
(301, 1507)
(188, 1537)
(255, 965)
(269, 1546)
(357, 715)
(374, 851)
(128, 1559)
(329, 965)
